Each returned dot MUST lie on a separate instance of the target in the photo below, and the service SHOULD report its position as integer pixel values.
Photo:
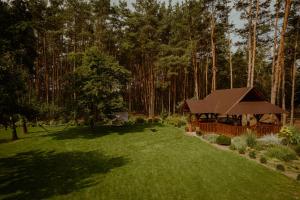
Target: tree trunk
(196, 77)
(254, 45)
(275, 44)
(213, 51)
(280, 59)
(294, 71)
(14, 130)
(283, 97)
(24, 126)
(169, 111)
(249, 45)
(174, 97)
(206, 77)
(230, 64)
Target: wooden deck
(232, 130)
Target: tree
(17, 55)
(99, 85)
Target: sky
(234, 18)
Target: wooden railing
(232, 130)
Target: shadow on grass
(40, 174)
(87, 133)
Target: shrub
(232, 147)
(252, 154)
(297, 149)
(150, 120)
(239, 142)
(223, 140)
(212, 137)
(263, 160)
(242, 150)
(280, 167)
(163, 115)
(156, 120)
(298, 177)
(282, 153)
(176, 120)
(250, 138)
(186, 129)
(128, 123)
(290, 134)
(140, 120)
(198, 131)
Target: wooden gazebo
(222, 111)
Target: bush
(186, 129)
(176, 120)
(280, 167)
(250, 138)
(223, 140)
(156, 120)
(269, 140)
(282, 153)
(252, 154)
(128, 123)
(290, 134)
(298, 177)
(140, 120)
(150, 120)
(263, 160)
(212, 137)
(297, 149)
(198, 131)
(242, 150)
(238, 142)
(232, 147)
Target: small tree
(99, 83)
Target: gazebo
(223, 112)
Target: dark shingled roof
(233, 101)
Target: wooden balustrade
(235, 130)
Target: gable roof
(233, 101)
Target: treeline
(174, 51)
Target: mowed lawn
(135, 162)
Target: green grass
(130, 163)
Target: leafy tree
(99, 84)
(17, 55)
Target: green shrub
(290, 134)
(212, 137)
(250, 138)
(176, 120)
(297, 149)
(239, 142)
(282, 153)
(223, 140)
(298, 177)
(263, 160)
(156, 120)
(128, 123)
(232, 147)
(150, 120)
(242, 150)
(163, 115)
(140, 120)
(280, 167)
(252, 154)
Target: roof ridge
(248, 90)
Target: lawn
(135, 162)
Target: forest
(87, 59)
